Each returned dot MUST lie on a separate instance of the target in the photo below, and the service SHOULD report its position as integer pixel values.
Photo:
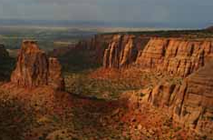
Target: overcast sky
(183, 12)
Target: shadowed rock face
(34, 69)
(93, 48)
(3, 51)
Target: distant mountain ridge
(100, 23)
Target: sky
(195, 13)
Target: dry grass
(111, 83)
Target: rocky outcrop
(179, 57)
(122, 51)
(55, 78)
(3, 52)
(188, 102)
(34, 69)
(194, 101)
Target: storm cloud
(170, 12)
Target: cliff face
(122, 51)
(189, 100)
(177, 56)
(91, 49)
(34, 69)
(194, 101)
(94, 47)
(189, 103)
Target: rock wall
(123, 50)
(194, 101)
(179, 57)
(34, 69)
(92, 49)
(189, 103)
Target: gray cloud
(186, 12)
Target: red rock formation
(33, 68)
(194, 101)
(55, 76)
(189, 103)
(179, 57)
(122, 51)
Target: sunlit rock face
(35, 69)
(194, 101)
(179, 57)
(189, 103)
(123, 51)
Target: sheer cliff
(179, 57)
(123, 50)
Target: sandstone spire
(34, 69)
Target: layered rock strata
(179, 57)
(194, 101)
(122, 51)
(189, 102)
(35, 69)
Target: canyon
(189, 102)
(188, 99)
(174, 100)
